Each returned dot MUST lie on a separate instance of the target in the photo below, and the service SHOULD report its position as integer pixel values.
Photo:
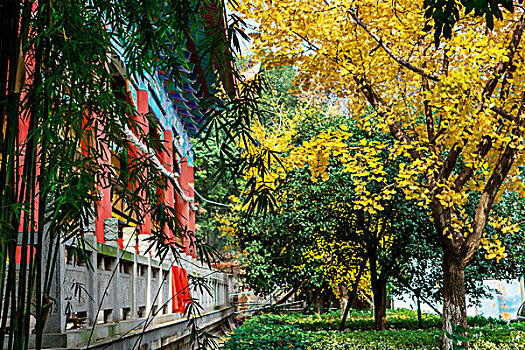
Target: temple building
(121, 295)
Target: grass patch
(312, 332)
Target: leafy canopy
(452, 108)
(445, 13)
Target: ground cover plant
(316, 332)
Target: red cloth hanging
(120, 242)
(186, 296)
(178, 304)
(174, 299)
(180, 289)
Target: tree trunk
(309, 302)
(378, 282)
(286, 297)
(454, 302)
(419, 319)
(343, 298)
(380, 303)
(326, 301)
(352, 295)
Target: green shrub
(480, 321)
(313, 332)
(384, 340)
(358, 320)
(268, 333)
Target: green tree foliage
(445, 13)
(320, 233)
(421, 278)
(213, 191)
(318, 236)
(214, 179)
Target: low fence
(117, 299)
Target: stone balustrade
(112, 297)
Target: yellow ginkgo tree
(456, 110)
(339, 216)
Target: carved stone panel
(124, 291)
(141, 291)
(104, 289)
(75, 289)
(111, 231)
(88, 220)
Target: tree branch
(405, 282)
(438, 134)
(444, 67)
(429, 116)
(509, 116)
(493, 185)
(486, 143)
(487, 199)
(483, 148)
(449, 163)
(394, 126)
(502, 67)
(396, 58)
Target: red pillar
(22, 139)
(183, 207)
(105, 204)
(142, 128)
(23, 127)
(168, 195)
(192, 213)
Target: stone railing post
(92, 280)
(115, 298)
(160, 290)
(170, 289)
(88, 226)
(134, 283)
(149, 285)
(129, 238)
(56, 320)
(111, 239)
